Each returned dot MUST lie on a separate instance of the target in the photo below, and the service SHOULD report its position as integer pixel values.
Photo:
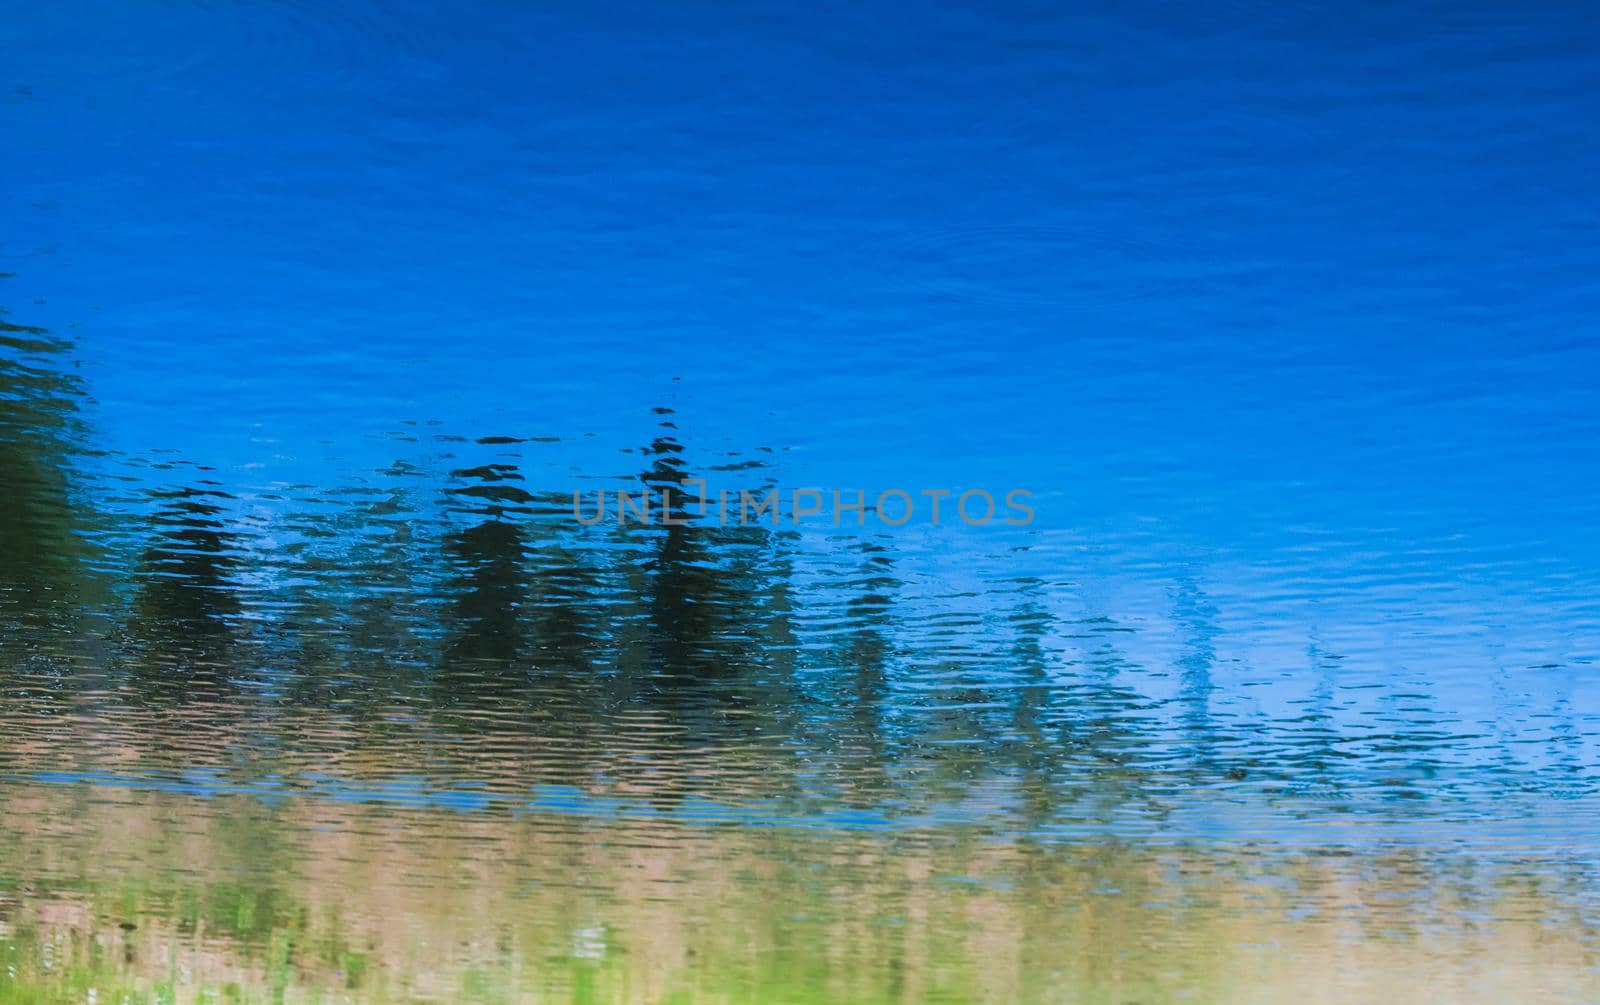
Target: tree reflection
(187, 602)
(1036, 752)
(49, 595)
(480, 618)
(864, 664)
(488, 588)
(44, 553)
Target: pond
(853, 503)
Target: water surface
(313, 688)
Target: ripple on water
(1043, 267)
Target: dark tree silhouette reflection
(864, 662)
(1036, 750)
(471, 624)
(44, 554)
(187, 604)
(568, 584)
(52, 601)
(489, 587)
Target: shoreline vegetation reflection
(465, 614)
(440, 690)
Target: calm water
(1279, 319)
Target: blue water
(1283, 315)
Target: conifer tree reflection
(704, 650)
(1107, 725)
(757, 568)
(44, 556)
(487, 638)
(187, 598)
(567, 594)
(349, 589)
(387, 618)
(312, 608)
(1406, 757)
(1035, 749)
(1313, 749)
(566, 621)
(690, 639)
(1196, 616)
(864, 664)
